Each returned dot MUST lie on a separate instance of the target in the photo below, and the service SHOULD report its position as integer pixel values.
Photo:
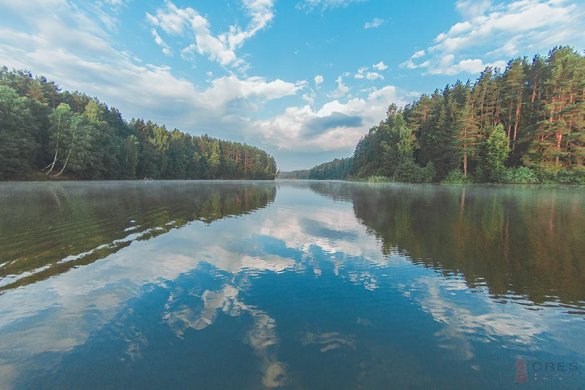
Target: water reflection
(523, 241)
(329, 286)
(49, 228)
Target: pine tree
(468, 136)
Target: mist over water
(290, 284)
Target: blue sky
(302, 79)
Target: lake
(292, 284)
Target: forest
(524, 125)
(49, 134)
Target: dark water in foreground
(290, 284)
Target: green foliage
(409, 172)
(71, 135)
(398, 148)
(468, 137)
(387, 151)
(497, 151)
(337, 169)
(576, 176)
(300, 174)
(18, 132)
(558, 139)
(520, 175)
(538, 109)
(455, 177)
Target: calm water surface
(290, 284)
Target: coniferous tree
(538, 106)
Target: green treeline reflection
(522, 241)
(48, 229)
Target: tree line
(523, 125)
(47, 133)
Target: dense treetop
(523, 125)
(45, 132)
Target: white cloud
(503, 30)
(380, 66)
(294, 128)
(177, 21)
(361, 73)
(319, 79)
(261, 12)
(374, 76)
(309, 97)
(472, 8)
(341, 89)
(410, 64)
(159, 41)
(418, 54)
(174, 20)
(65, 41)
(375, 23)
(231, 87)
(447, 65)
(310, 5)
(61, 40)
(364, 73)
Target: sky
(301, 79)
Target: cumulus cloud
(360, 74)
(472, 8)
(491, 33)
(374, 23)
(334, 126)
(341, 89)
(448, 66)
(380, 66)
(318, 125)
(319, 79)
(364, 73)
(231, 87)
(66, 41)
(374, 76)
(177, 21)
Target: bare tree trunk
(52, 165)
(509, 123)
(559, 140)
(534, 87)
(517, 121)
(64, 165)
(71, 146)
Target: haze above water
(290, 284)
